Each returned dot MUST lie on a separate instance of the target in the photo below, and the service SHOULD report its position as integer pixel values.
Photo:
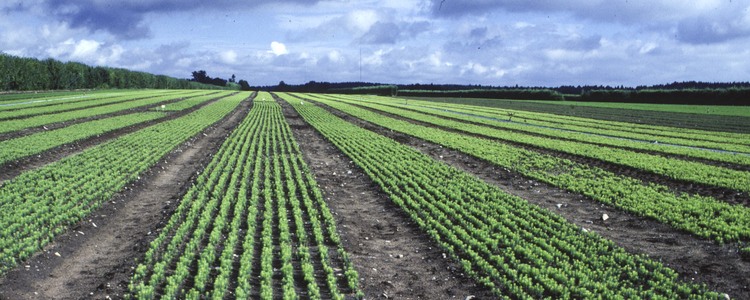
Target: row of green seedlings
(262, 153)
(672, 117)
(594, 136)
(24, 97)
(670, 167)
(682, 136)
(40, 204)
(27, 145)
(14, 149)
(676, 135)
(21, 111)
(518, 250)
(700, 215)
(193, 101)
(18, 124)
(22, 102)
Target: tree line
(30, 74)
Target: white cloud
(62, 48)
(334, 56)
(111, 58)
(85, 49)
(278, 48)
(362, 20)
(184, 62)
(230, 56)
(499, 42)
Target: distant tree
(232, 79)
(201, 76)
(244, 85)
(217, 81)
(283, 87)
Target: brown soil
(97, 256)
(393, 257)
(675, 185)
(695, 259)
(14, 168)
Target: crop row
(18, 124)
(85, 103)
(20, 147)
(671, 167)
(592, 137)
(666, 134)
(9, 101)
(516, 249)
(24, 97)
(670, 121)
(700, 215)
(193, 101)
(254, 224)
(39, 204)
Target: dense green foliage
(29, 74)
(257, 184)
(516, 249)
(40, 204)
(700, 215)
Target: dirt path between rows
(695, 259)
(97, 257)
(393, 257)
(14, 168)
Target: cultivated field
(189, 194)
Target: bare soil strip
(695, 259)
(393, 257)
(675, 185)
(98, 255)
(13, 169)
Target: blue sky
(503, 42)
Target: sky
(502, 42)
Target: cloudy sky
(501, 42)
